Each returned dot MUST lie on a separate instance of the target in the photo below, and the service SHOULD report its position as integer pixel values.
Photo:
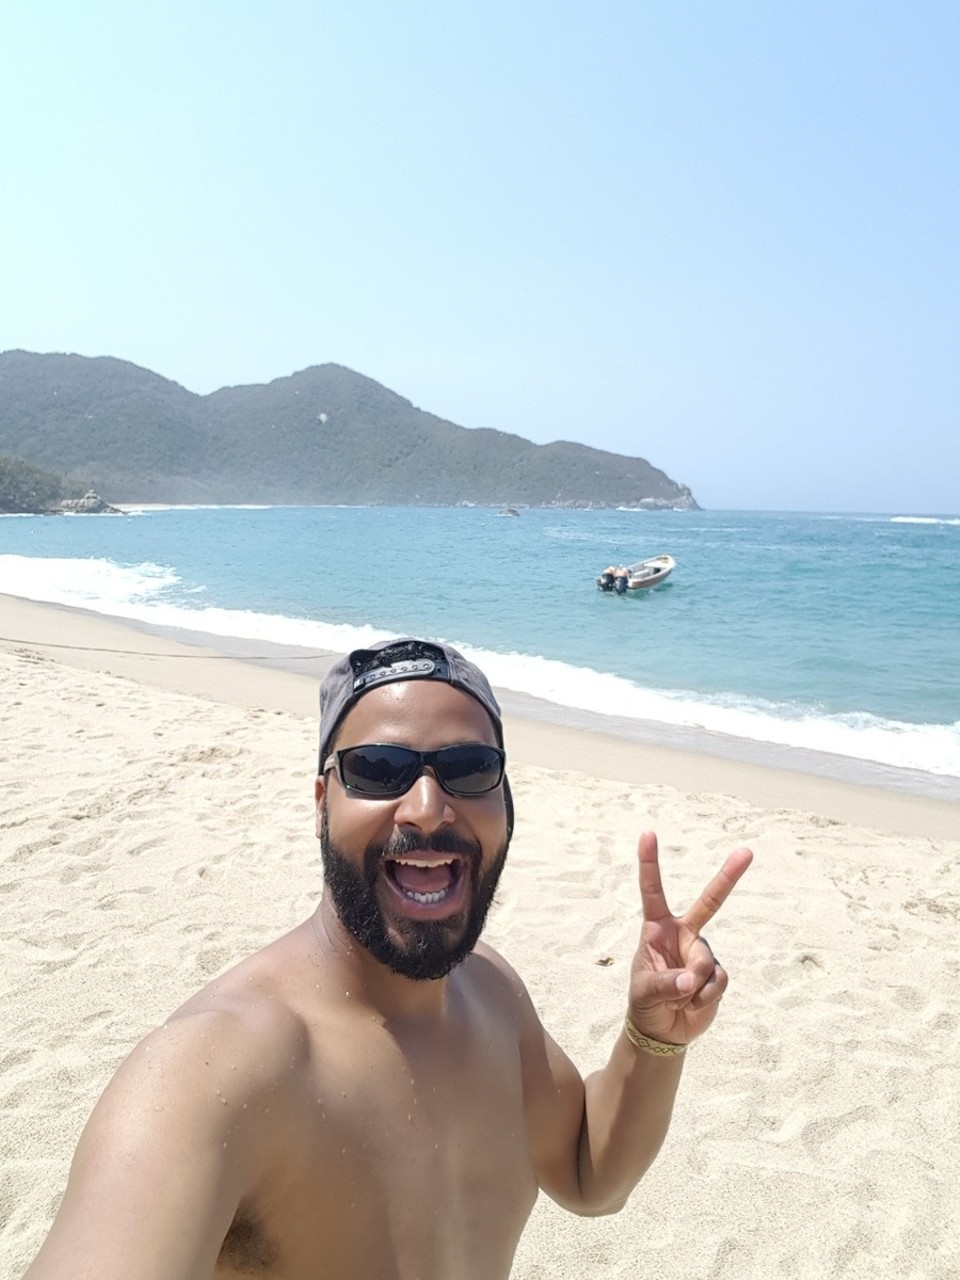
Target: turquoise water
(836, 633)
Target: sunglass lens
(379, 770)
(469, 770)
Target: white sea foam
(144, 508)
(888, 519)
(137, 592)
(100, 585)
(930, 748)
(954, 520)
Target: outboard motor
(605, 582)
(620, 584)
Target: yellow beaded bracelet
(659, 1048)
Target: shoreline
(217, 668)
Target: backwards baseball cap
(406, 659)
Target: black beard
(429, 948)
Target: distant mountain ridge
(323, 435)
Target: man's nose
(425, 806)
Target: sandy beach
(156, 826)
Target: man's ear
(318, 791)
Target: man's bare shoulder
(184, 1131)
(544, 1060)
(265, 986)
(236, 1037)
(486, 957)
(500, 986)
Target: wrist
(658, 1048)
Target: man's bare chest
(403, 1160)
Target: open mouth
(429, 882)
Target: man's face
(412, 877)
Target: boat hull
(638, 577)
(649, 573)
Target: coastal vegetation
(323, 435)
(25, 488)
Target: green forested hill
(324, 435)
(25, 488)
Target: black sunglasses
(384, 770)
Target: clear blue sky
(722, 236)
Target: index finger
(652, 898)
(718, 890)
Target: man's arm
(167, 1154)
(592, 1141)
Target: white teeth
(425, 898)
(420, 862)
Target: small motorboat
(649, 573)
(636, 577)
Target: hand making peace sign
(676, 981)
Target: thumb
(667, 984)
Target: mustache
(404, 842)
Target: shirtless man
(372, 1096)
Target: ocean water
(833, 634)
